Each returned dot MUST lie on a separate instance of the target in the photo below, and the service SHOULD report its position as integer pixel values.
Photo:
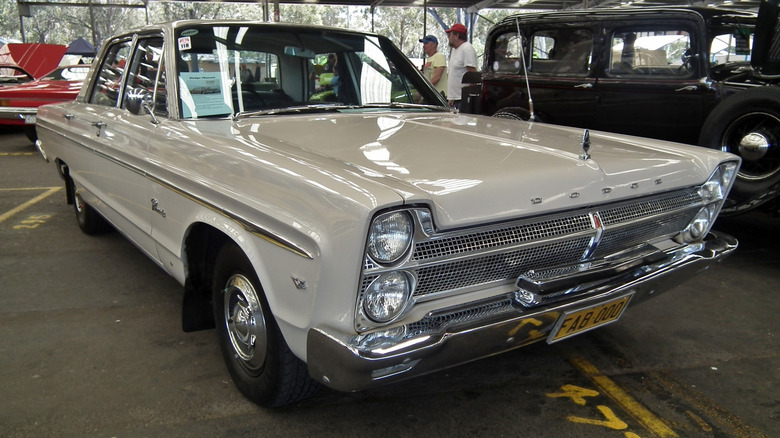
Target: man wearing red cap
(463, 58)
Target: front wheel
(261, 364)
(748, 124)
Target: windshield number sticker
(185, 43)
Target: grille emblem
(598, 227)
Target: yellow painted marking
(575, 393)
(640, 413)
(699, 421)
(612, 421)
(49, 191)
(16, 154)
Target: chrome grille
(435, 322)
(448, 246)
(496, 268)
(643, 209)
(450, 262)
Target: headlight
(717, 187)
(387, 296)
(699, 225)
(390, 236)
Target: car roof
(706, 13)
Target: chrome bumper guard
(342, 363)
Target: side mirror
(137, 99)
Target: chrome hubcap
(753, 146)
(243, 318)
(756, 138)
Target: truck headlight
(387, 296)
(390, 237)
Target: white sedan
(340, 225)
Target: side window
(106, 90)
(144, 76)
(506, 53)
(562, 52)
(651, 53)
(731, 47)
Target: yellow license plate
(580, 321)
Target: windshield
(233, 69)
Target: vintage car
(377, 237)
(679, 73)
(11, 75)
(19, 104)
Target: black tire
(515, 114)
(261, 364)
(748, 124)
(89, 220)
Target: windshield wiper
(293, 110)
(406, 105)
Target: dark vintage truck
(695, 75)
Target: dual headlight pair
(389, 240)
(713, 193)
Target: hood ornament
(585, 146)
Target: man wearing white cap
(463, 58)
(435, 68)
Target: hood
(35, 58)
(765, 58)
(473, 169)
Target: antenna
(532, 118)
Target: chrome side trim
(249, 226)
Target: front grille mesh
(496, 267)
(448, 246)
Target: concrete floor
(91, 346)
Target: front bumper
(340, 361)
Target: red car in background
(19, 104)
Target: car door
(112, 177)
(650, 83)
(559, 63)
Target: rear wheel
(748, 125)
(261, 364)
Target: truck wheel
(748, 124)
(261, 364)
(89, 220)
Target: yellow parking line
(49, 191)
(647, 419)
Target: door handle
(688, 88)
(585, 85)
(99, 126)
